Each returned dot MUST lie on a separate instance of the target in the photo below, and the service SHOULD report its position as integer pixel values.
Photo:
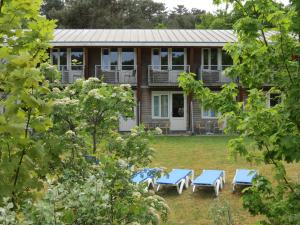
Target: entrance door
(178, 111)
(126, 124)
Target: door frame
(171, 110)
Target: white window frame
(208, 117)
(160, 93)
(69, 60)
(170, 51)
(268, 103)
(219, 58)
(119, 56)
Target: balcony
(71, 73)
(161, 75)
(214, 74)
(117, 74)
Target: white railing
(165, 75)
(214, 74)
(125, 74)
(71, 73)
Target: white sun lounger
(243, 177)
(146, 175)
(210, 178)
(178, 178)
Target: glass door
(178, 113)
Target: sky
(200, 4)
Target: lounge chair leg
(158, 186)
(217, 186)
(181, 185)
(233, 188)
(194, 187)
(221, 183)
(187, 181)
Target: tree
(24, 38)
(266, 52)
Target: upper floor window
(215, 59)
(118, 58)
(274, 99)
(109, 58)
(164, 58)
(59, 57)
(76, 58)
(128, 59)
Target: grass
(197, 153)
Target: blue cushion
(174, 176)
(144, 174)
(208, 177)
(245, 176)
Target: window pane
(63, 57)
(127, 58)
(105, 59)
(214, 58)
(205, 113)
(55, 56)
(274, 99)
(164, 56)
(164, 106)
(113, 58)
(156, 105)
(156, 59)
(226, 60)
(212, 113)
(177, 56)
(177, 105)
(77, 59)
(205, 58)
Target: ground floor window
(274, 99)
(209, 113)
(160, 105)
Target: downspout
(192, 117)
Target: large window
(164, 58)
(128, 58)
(160, 59)
(209, 113)
(117, 58)
(215, 59)
(274, 99)
(210, 58)
(109, 58)
(59, 57)
(77, 58)
(160, 105)
(226, 60)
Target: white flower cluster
(70, 133)
(66, 101)
(95, 93)
(125, 86)
(158, 130)
(55, 90)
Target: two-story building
(151, 61)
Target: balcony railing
(71, 73)
(116, 74)
(214, 74)
(164, 75)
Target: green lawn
(197, 153)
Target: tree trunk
(94, 140)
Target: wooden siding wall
(94, 59)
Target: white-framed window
(273, 99)
(215, 59)
(169, 58)
(208, 113)
(160, 105)
(67, 58)
(118, 58)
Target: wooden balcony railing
(164, 75)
